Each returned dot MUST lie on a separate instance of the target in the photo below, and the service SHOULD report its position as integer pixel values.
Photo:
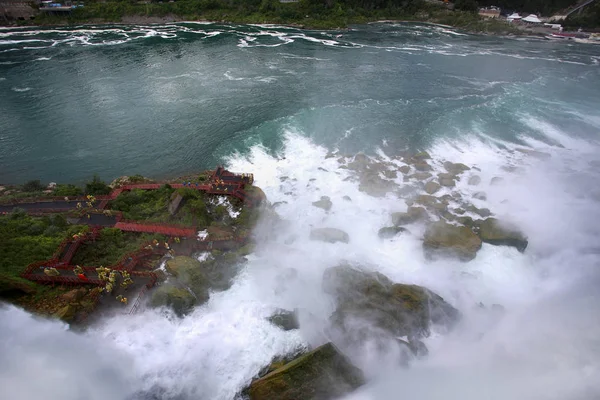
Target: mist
(541, 342)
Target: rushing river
(166, 100)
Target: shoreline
(132, 20)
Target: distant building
(532, 19)
(489, 12)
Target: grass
(110, 247)
(25, 239)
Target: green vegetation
(327, 14)
(110, 247)
(67, 190)
(589, 18)
(543, 7)
(97, 187)
(25, 239)
(33, 186)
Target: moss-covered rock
(190, 273)
(455, 168)
(389, 232)
(398, 309)
(413, 214)
(443, 239)
(67, 313)
(432, 187)
(321, 374)
(494, 232)
(447, 179)
(179, 299)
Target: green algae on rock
(443, 239)
(321, 374)
(494, 232)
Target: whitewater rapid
(545, 346)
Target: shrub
(33, 186)
(97, 187)
(67, 190)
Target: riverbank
(116, 13)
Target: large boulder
(324, 203)
(447, 179)
(191, 274)
(286, 320)
(181, 300)
(329, 235)
(443, 239)
(413, 214)
(373, 185)
(455, 168)
(497, 233)
(397, 309)
(432, 187)
(321, 374)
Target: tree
(97, 187)
(466, 5)
(33, 186)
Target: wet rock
(412, 215)
(494, 232)
(74, 295)
(181, 300)
(360, 163)
(329, 235)
(389, 232)
(286, 320)
(66, 313)
(325, 203)
(421, 156)
(480, 196)
(390, 174)
(455, 168)
(482, 212)
(405, 169)
(284, 178)
(432, 187)
(421, 176)
(474, 180)
(447, 180)
(174, 204)
(426, 200)
(373, 185)
(468, 222)
(394, 308)
(321, 374)
(458, 211)
(347, 198)
(443, 239)
(422, 166)
(496, 180)
(322, 169)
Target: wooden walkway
(168, 230)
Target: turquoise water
(168, 99)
